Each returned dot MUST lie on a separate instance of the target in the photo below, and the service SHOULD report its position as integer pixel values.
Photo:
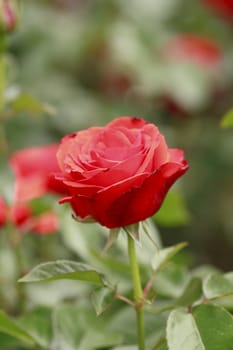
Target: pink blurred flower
(34, 168)
(8, 16)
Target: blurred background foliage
(72, 64)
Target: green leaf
(171, 281)
(215, 325)
(182, 333)
(68, 326)
(130, 347)
(9, 326)
(38, 324)
(163, 256)
(124, 322)
(192, 292)
(98, 340)
(227, 120)
(9, 342)
(208, 328)
(127, 347)
(65, 269)
(173, 211)
(29, 104)
(112, 264)
(162, 345)
(77, 327)
(218, 286)
(102, 299)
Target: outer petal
(140, 203)
(128, 122)
(98, 203)
(176, 155)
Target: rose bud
(8, 17)
(3, 212)
(34, 168)
(118, 174)
(223, 7)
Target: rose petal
(176, 155)
(128, 122)
(140, 203)
(90, 206)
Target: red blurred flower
(19, 215)
(3, 212)
(118, 174)
(22, 217)
(115, 83)
(34, 168)
(45, 223)
(207, 56)
(224, 7)
(194, 48)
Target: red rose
(3, 212)
(194, 48)
(118, 174)
(225, 7)
(34, 168)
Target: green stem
(138, 293)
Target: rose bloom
(118, 174)
(34, 168)
(224, 7)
